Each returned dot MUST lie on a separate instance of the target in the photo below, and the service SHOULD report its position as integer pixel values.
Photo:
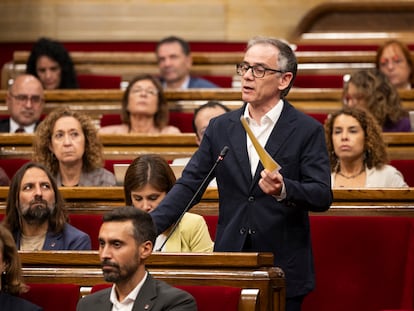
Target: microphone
(220, 158)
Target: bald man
(25, 102)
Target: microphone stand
(219, 159)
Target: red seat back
(88, 223)
(362, 263)
(211, 221)
(11, 166)
(406, 167)
(99, 81)
(52, 297)
(319, 81)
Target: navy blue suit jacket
(200, 83)
(297, 143)
(70, 238)
(14, 303)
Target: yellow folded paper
(267, 161)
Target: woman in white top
(144, 109)
(357, 151)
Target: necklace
(352, 176)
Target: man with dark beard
(126, 240)
(35, 213)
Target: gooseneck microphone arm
(188, 206)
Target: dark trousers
(294, 303)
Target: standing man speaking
(260, 210)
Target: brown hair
(161, 116)
(375, 149)
(404, 49)
(381, 97)
(12, 279)
(92, 157)
(148, 169)
(13, 220)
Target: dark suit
(200, 83)
(70, 238)
(154, 295)
(5, 125)
(249, 219)
(13, 303)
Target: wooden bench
(125, 65)
(128, 146)
(243, 270)
(99, 102)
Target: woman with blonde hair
(11, 282)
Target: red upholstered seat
(99, 81)
(211, 221)
(217, 298)
(88, 223)
(321, 117)
(182, 120)
(406, 167)
(10, 166)
(362, 263)
(208, 298)
(319, 81)
(52, 297)
(220, 81)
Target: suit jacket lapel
(238, 143)
(146, 296)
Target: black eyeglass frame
(246, 67)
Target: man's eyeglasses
(140, 90)
(258, 71)
(23, 98)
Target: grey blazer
(154, 295)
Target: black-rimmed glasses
(258, 71)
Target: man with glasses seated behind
(25, 102)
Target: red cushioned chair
(99, 81)
(109, 163)
(220, 81)
(52, 297)
(208, 298)
(88, 223)
(182, 120)
(362, 263)
(321, 117)
(217, 298)
(319, 81)
(211, 221)
(406, 167)
(11, 166)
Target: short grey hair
(286, 58)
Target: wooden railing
(129, 146)
(369, 201)
(99, 102)
(244, 270)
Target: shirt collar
(14, 126)
(272, 115)
(131, 296)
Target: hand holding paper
(267, 161)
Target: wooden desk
(245, 270)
